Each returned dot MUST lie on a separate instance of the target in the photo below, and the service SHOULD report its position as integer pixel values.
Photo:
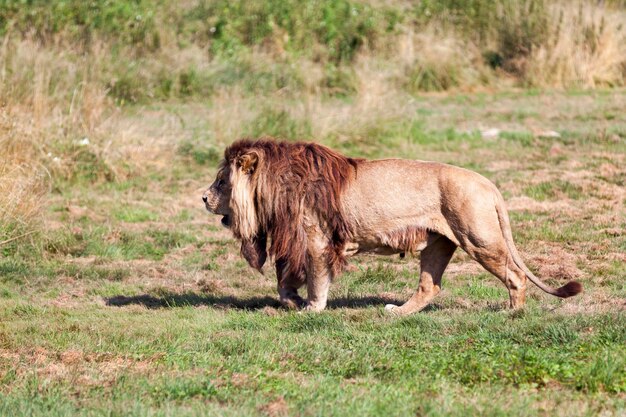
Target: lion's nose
(205, 198)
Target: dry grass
(586, 49)
(22, 180)
(436, 59)
(55, 119)
(60, 118)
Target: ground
(139, 303)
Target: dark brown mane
(293, 178)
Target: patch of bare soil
(557, 264)
(73, 298)
(210, 286)
(78, 212)
(503, 165)
(593, 301)
(87, 369)
(616, 256)
(276, 408)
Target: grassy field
(120, 295)
(132, 300)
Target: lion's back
(396, 192)
(388, 176)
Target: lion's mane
(289, 180)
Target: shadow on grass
(228, 302)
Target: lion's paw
(389, 308)
(293, 303)
(313, 307)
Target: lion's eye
(220, 183)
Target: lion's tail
(568, 290)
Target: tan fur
(242, 204)
(408, 239)
(318, 207)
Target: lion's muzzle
(213, 206)
(210, 202)
(205, 200)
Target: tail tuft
(569, 290)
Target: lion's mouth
(226, 221)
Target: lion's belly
(357, 249)
(390, 242)
(378, 249)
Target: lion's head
(262, 190)
(231, 196)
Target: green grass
(376, 136)
(131, 22)
(181, 358)
(554, 189)
(480, 287)
(278, 124)
(132, 300)
(118, 245)
(134, 215)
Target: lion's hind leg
(496, 259)
(433, 261)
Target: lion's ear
(248, 162)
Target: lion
(318, 207)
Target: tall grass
(51, 108)
(537, 42)
(157, 49)
(21, 187)
(586, 48)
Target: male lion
(318, 207)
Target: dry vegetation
(116, 289)
(62, 81)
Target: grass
(119, 295)
(209, 363)
(130, 300)
(553, 189)
(134, 215)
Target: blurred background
(100, 91)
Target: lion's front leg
(288, 285)
(318, 295)
(317, 286)
(318, 273)
(290, 299)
